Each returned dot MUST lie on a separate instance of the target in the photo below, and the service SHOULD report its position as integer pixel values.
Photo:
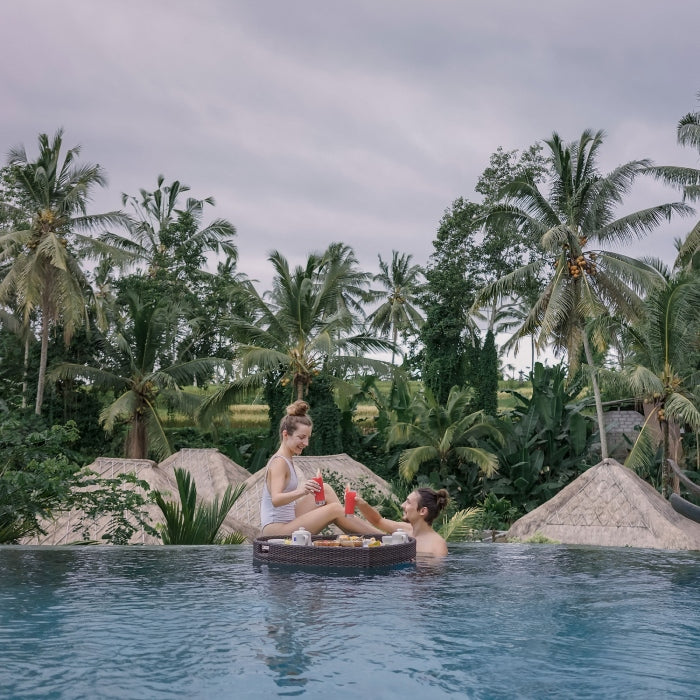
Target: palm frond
(461, 525)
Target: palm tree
(402, 283)
(447, 435)
(153, 235)
(142, 386)
(688, 134)
(44, 271)
(583, 283)
(659, 369)
(301, 330)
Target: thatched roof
(247, 507)
(61, 529)
(211, 471)
(609, 505)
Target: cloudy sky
(313, 121)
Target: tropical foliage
(546, 440)
(304, 328)
(131, 369)
(447, 444)
(44, 276)
(660, 370)
(401, 287)
(147, 338)
(189, 522)
(584, 282)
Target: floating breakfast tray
(273, 550)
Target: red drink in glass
(350, 497)
(319, 496)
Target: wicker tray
(303, 555)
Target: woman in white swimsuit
(287, 505)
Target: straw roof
(212, 472)
(61, 529)
(247, 507)
(609, 505)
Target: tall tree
(297, 332)
(131, 369)
(662, 369)
(688, 134)
(583, 283)
(401, 286)
(450, 290)
(45, 273)
(167, 234)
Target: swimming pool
(490, 621)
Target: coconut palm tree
(688, 134)
(131, 369)
(156, 240)
(446, 436)
(300, 330)
(401, 284)
(45, 274)
(583, 282)
(660, 370)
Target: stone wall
(621, 425)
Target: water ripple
(490, 621)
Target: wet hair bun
(442, 497)
(298, 408)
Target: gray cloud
(321, 120)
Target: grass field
(251, 416)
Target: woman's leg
(314, 518)
(347, 523)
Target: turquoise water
(491, 621)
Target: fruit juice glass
(319, 496)
(350, 497)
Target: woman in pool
(286, 504)
(420, 508)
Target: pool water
(490, 621)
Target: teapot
(400, 536)
(301, 536)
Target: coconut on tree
(662, 370)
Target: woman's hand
(310, 486)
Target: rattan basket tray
(302, 555)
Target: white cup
(387, 539)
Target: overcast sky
(313, 121)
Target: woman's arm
(373, 517)
(277, 476)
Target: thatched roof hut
(211, 471)
(61, 530)
(609, 505)
(247, 507)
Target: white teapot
(301, 536)
(399, 536)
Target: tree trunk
(665, 467)
(42, 364)
(25, 372)
(136, 442)
(596, 396)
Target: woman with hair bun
(286, 504)
(420, 508)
